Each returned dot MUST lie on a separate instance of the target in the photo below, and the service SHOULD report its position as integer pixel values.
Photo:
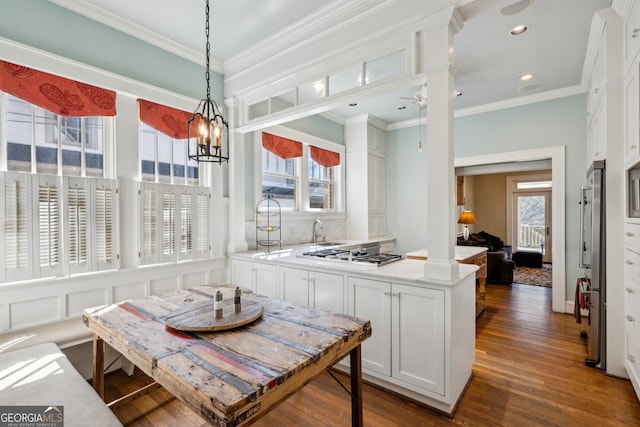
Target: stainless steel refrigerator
(592, 260)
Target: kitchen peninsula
(423, 338)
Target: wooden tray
(200, 316)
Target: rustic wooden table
(230, 377)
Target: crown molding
(116, 22)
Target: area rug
(533, 276)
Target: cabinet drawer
(632, 264)
(632, 318)
(632, 358)
(632, 236)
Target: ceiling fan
(419, 98)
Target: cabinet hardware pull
(395, 294)
(630, 291)
(630, 358)
(629, 262)
(630, 318)
(387, 293)
(634, 146)
(629, 234)
(635, 33)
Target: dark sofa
(499, 266)
(499, 269)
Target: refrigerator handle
(583, 246)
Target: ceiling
(488, 61)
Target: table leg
(356, 386)
(98, 365)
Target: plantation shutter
(47, 220)
(77, 225)
(16, 248)
(105, 235)
(203, 204)
(186, 220)
(168, 224)
(149, 231)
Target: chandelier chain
(206, 32)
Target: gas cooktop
(345, 255)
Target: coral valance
(281, 147)
(170, 121)
(325, 157)
(56, 94)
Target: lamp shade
(467, 217)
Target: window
(321, 185)
(165, 159)
(279, 178)
(59, 211)
(174, 222)
(44, 142)
(298, 185)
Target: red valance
(325, 157)
(281, 147)
(59, 95)
(170, 121)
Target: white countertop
(405, 269)
(461, 252)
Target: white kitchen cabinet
(365, 160)
(260, 277)
(408, 340)
(632, 303)
(313, 288)
(371, 299)
(632, 117)
(418, 339)
(632, 33)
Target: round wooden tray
(200, 316)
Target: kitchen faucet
(317, 227)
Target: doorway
(557, 157)
(530, 227)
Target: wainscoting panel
(128, 291)
(27, 313)
(78, 301)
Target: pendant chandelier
(207, 124)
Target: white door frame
(557, 156)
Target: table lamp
(466, 218)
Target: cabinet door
(294, 285)
(371, 300)
(376, 174)
(328, 291)
(418, 344)
(632, 116)
(242, 274)
(632, 33)
(266, 281)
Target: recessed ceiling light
(526, 77)
(518, 29)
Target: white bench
(42, 375)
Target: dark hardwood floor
(529, 371)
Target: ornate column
(441, 189)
